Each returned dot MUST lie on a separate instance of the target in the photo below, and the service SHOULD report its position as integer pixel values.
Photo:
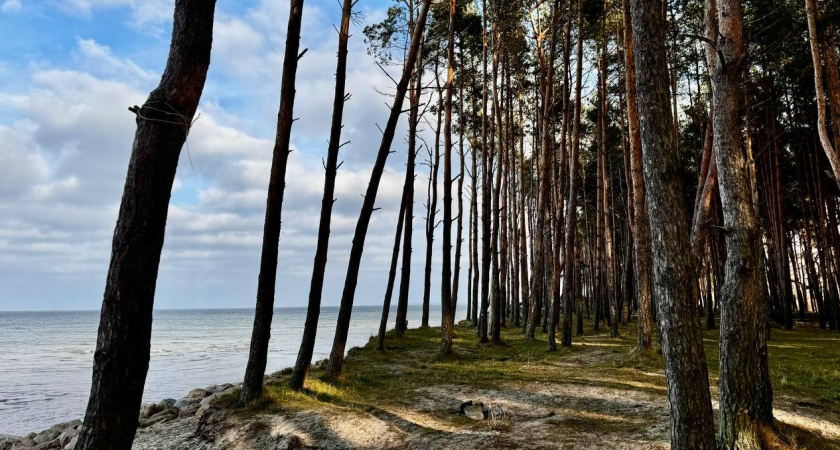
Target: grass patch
(804, 364)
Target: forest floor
(599, 394)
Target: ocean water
(46, 357)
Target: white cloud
(98, 59)
(11, 6)
(146, 14)
(63, 161)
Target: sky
(69, 69)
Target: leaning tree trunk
(692, 425)
(258, 355)
(447, 325)
(345, 310)
(745, 392)
(316, 288)
(121, 360)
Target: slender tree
(258, 355)
(812, 13)
(336, 360)
(316, 288)
(447, 325)
(571, 205)
(123, 344)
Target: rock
(27, 441)
(188, 410)
(464, 405)
(46, 436)
(474, 412)
(166, 403)
(148, 409)
(67, 435)
(6, 442)
(208, 400)
(198, 393)
(162, 416)
(185, 402)
(55, 443)
(72, 444)
(203, 411)
(216, 388)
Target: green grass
(804, 364)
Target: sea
(46, 358)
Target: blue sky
(69, 69)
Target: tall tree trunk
(447, 325)
(121, 361)
(692, 425)
(745, 394)
(413, 122)
(812, 13)
(431, 206)
(392, 272)
(571, 205)
(459, 226)
(316, 287)
(486, 188)
(641, 226)
(336, 360)
(264, 312)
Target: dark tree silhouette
(121, 361)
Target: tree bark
(336, 360)
(392, 272)
(264, 312)
(316, 287)
(745, 394)
(812, 13)
(641, 227)
(682, 340)
(447, 325)
(571, 205)
(121, 361)
(413, 122)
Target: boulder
(208, 400)
(216, 388)
(46, 436)
(198, 393)
(6, 442)
(148, 409)
(68, 434)
(188, 410)
(161, 416)
(474, 412)
(166, 403)
(185, 402)
(72, 444)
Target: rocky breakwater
(197, 403)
